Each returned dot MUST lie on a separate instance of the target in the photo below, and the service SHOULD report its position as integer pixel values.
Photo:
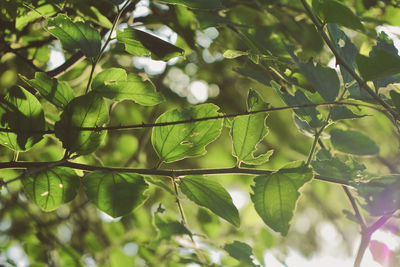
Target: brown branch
(156, 172)
(160, 124)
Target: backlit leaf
(309, 114)
(51, 188)
(75, 35)
(380, 64)
(178, 141)
(247, 131)
(353, 142)
(57, 93)
(210, 194)
(341, 113)
(87, 110)
(113, 83)
(275, 195)
(332, 11)
(240, 251)
(140, 43)
(203, 4)
(324, 80)
(115, 193)
(20, 111)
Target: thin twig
(160, 124)
(357, 212)
(160, 172)
(39, 168)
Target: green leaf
(87, 110)
(51, 188)
(395, 96)
(57, 93)
(380, 64)
(247, 132)
(93, 14)
(335, 168)
(176, 142)
(166, 229)
(332, 11)
(140, 43)
(234, 53)
(309, 114)
(45, 10)
(20, 111)
(75, 35)
(113, 83)
(346, 49)
(210, 194)
(275, 195)
(353, 142)
(240, 251)
(203, 4)
(115, 193)
(385, 43)
(324, 80)
(341, 113)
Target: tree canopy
(198, 133)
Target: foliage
(108, 161)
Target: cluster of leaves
(47, 111)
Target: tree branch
(150, 125)
(156, 172)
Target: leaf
(332, 11)
(51, 188)
(210, 194)
(169, 228)
(341, 113)
(203, 4)
(234, 53)
(140, 43)
(383, 42)
(93, 14)
(324, 80)
(275, 195)
(335, 168)
(45, 10)
(87, 110)
(395, 96)
(308, 114)
(380, 64)
(113, 83)
(346, 49)
(179, 141)
(75, 35)
(240, 251)
(115, 193)
(57, 93)
(353, 142)
(20, 111)
(247, 132)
